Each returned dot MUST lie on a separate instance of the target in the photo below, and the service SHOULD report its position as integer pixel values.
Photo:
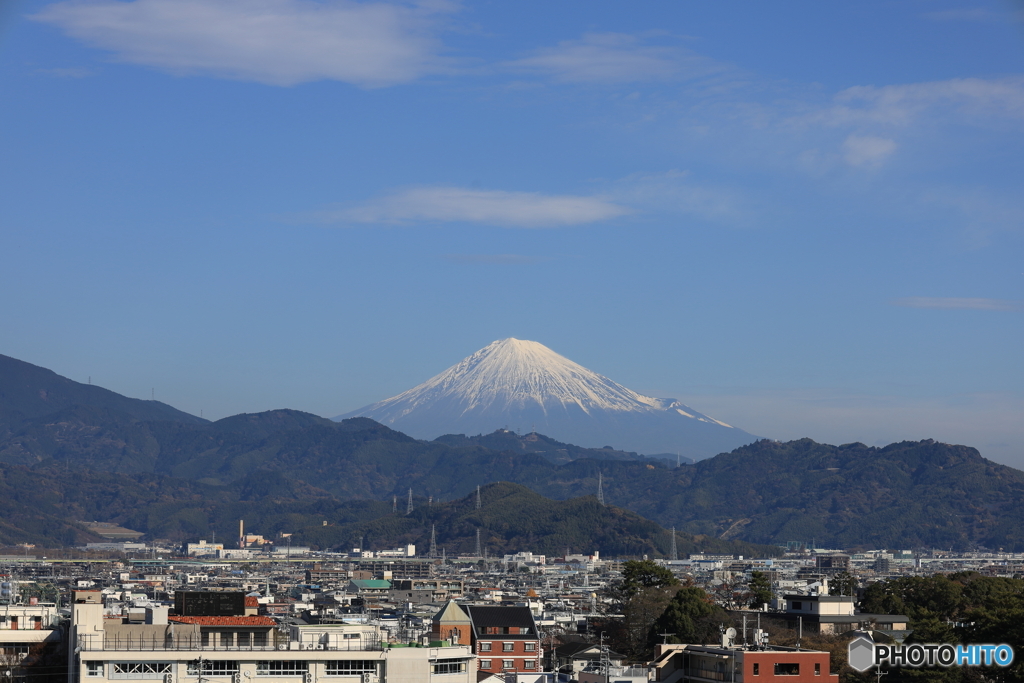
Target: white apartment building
(232, 649)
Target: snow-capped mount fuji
(525, 385)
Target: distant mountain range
(139, 464)
(524, 384)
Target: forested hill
(28, 391)
(904, 495)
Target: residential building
(425, 590)
(228, 649)
(505, 638)
(700, 663)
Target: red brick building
(686, 663)
(504, 639)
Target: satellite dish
(730, 636)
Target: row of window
(449, 666)
(529, 646)
(786, 669)
(508, 664)
(154, 670)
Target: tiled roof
(487, 616)
(251, 601)
(224, 621)
(451, 613)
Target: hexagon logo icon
(861, 653)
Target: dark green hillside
(37, 504)
(514, 518)
(555, 451)
(28, 391)
(907, 494)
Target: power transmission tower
(600, 489)
(478, 496)
(394, 504)
(478, 553)
(674, 555)
(408, 507)
(433, 541)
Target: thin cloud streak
(276, 42)
(613, 58)
(486, 207)
(962, 303)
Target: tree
(640, 574)
(640, 612)
(691, 616)
(843, 584)
(760, 589)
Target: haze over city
(804, 220)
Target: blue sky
(804, 218)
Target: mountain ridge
(521, 382)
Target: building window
(94, 668)
(530, 647)
(227, 639)
(797, 604)
(139, 670)
(244, 639)
(508, 647)
(757, 669)
(508, 664)
(787, 669)
(485, 664)
(449, 666)
(351, 667)
(483, 647)
(259, 639)
(529, 664)
(212, 668)
(817, 668)
(284, 668)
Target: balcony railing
(96, 643)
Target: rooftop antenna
(600, 488)
(478, 496)
(408, 507)
(478, 553)
(433, 541)
(674, 556)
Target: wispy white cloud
(278, 42)
(901, 105)
(960, 303)
(867, 150)
(468, 205)
(613, 58)
(677, 192)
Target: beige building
(232, 649)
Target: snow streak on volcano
(525, 385)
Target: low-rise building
(699, 663)
(228, 649)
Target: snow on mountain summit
(524, 383)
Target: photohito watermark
(864, 654)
